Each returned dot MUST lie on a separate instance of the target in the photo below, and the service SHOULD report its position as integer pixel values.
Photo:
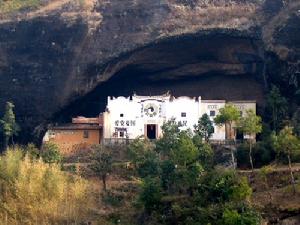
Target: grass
(8, 6)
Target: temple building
(127, 118)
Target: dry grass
(7, 6)
(205, 14)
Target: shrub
(36, 192)
(51, 153)
(151, 194)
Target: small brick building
(81, 133)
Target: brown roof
(85, 120)
(72, 126)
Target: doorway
(151, 131)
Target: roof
(72, 126)
(243, 101)
(213, 101)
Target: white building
(136, 116)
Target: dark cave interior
(217, 67)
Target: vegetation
(36, 192)
(101, 163)
(287, 143)
(50, 153)
(228, 116)
(7, 6)
(9, 127)
(250, 124)
(178, 187)
(277, 106)
(204, 128)
(169, 181)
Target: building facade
(134, 116)
(127, 118)
(81, 133)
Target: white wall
(160, 109)
(210, 106)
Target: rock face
(64, 57)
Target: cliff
(60, 58)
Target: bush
(262, 152)
(51, 153)
(151, 195)
(32, 151)
(35, 192)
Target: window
(212, 113)
(121, 115)
(183, 114)
(85, 134)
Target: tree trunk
(250, 155)
(231, 149)
(104, 182)
(6, 143)
(13, 142)
(291, 173)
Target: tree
(205, 152)
(51, 153)
(287, 143)
(227, 116)
(251, 125)
(138, 149)
(151, 194)
(204, 128)
(8, 124)
(277, 104)
(149, 166)
(185, 152)
(101, 163)
(167, 142)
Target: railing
(117, 141)
(226, 142)
(126, 141)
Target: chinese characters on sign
(212, 106)
(125, 123)
(182, 123)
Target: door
(151, 131)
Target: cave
(215, 66)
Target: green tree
(205, 152)
(228, 116)
(185, 152)
(204, 128)
(101, 163)
(138, 149)
(250, 125)
(50, 153)
(8, 124)
(278, 106)
(168, 141)
(287, 143)
(151, 194)
(149, 166)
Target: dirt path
(281, 168)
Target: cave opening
(213, 67)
